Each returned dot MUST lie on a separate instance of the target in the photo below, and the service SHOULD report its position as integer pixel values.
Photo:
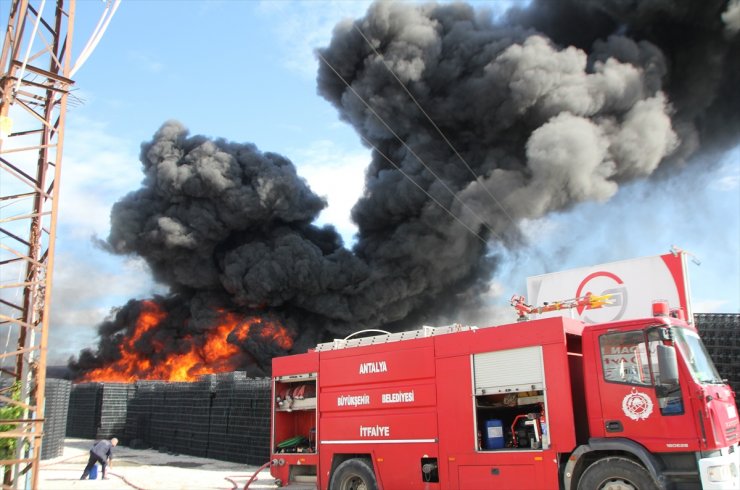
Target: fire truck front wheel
(353, 474)
(616, 473)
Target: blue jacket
(103, 449)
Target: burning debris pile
(553, 105)
(156, 345)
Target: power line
(427, 193)
(449, 143)
(452, 193)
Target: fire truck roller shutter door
(353, 474)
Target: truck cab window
(668, 392)
(624, 358)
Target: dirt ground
(147, 469)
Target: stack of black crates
(201, 415)
(114, 398)
(55, 417)
(720, 333)
(222, 416)
(83, 416)
(146, 395)
(172, 425)
(240, 420)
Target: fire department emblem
(637, 406)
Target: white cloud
(98, 169)
(337, 174)
(709, 306)
(305, 26)
(539, 229)
(728, 176)
(728, 183)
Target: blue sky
(245, 71)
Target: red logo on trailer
(641, 281)
(618, 292)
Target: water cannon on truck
(548, 403)
(589, 301)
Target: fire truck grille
(731, 432)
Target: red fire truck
(541, 404)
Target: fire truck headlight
(721, 473)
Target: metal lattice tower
(34, 86)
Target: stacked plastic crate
(201, 412)
(83, 415)
(720, 333)
(219, 443)
(249, 421)
(137, 433)
(216, 427)
(114, 409)
(223, 416)
(55, 413)
(170, 418)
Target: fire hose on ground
(246, 486)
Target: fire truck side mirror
(668, 365)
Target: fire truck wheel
(353, 474)
(616, 474)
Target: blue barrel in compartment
(494, 434)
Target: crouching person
(101, 452)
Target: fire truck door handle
(495, 471)
(614, 426)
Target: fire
(216, 351)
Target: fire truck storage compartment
(295, 414)
(510, 410)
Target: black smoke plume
(555, 104)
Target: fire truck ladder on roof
(385, 338)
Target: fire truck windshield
(693, 350)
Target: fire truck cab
(541, 404)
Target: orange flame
(213, 353)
